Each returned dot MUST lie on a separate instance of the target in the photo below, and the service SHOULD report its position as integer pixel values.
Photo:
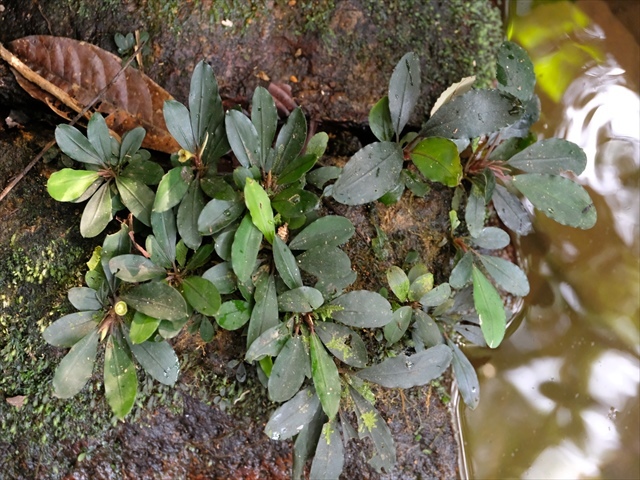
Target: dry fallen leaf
(82, 70)
(16, 401)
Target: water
(560, 397)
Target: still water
(560, 398)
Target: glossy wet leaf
(344, 343)
(286, 264)
(97, 213)
(223, 242)
(492, 238)
(287, 373)
(165, 232)
(437, 296)
(137, 197)
(475, 212)
(178, 123)
(158, 300)
(291, 417)
(507, 275)
(268, 344)
(551, 156)
(514, 71)
(218, 214)
(172, 188)
(120, 380)
(290, 140)
(426, 329)
(490, 309)
(243, 138)
(369, 174)
(233, 314)
(420, 286)
(306, 442)
(331, 230)
(67, 185)
(201, 294)
(404, 90)
(294, 202)
(70, 329)
(76, 367)
(380, 120)
(325, 377)
(142, 327)
(325, 263)
(558, 198)
(363, 309)
(300, 300)
(222, 276)
(84, 298)
(135, 268)
(205, 107)
(259, 206)
(466, 377)
(245, 248)
(473, 114)
(438, 160)
(320, 176)
(77, 146)
(395, 329)
(398, 282)
(406, 371)
(156, 254)
(511, 211)
(158, 359)
(328, 460)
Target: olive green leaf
(437, 296)
(201, 294)
(268, 344)
(426, 329)
(265, 311)
(206, 330)
(420, 287)
(222, 277)
(306, 442)
(233, 314)
(84, 298)
(218, 214)
(164, 229)
(296, 168)
(142, 327)
(317, 145)
(294, 202)
(395, 329)
(438, 160)
(158, 359)
(399, 282)
(491, 238)
(131, 143)
(331, 230)
(148, 172)
(322, 175)
(205, 107)
(287, 373)
(454, 90)
(158, 300)
(135, 268)
(97, 213)
(245, 248)
(404, 89)
(290, 141)
(489, 307)
(511, 211)
(70, 329)
(475, 212)
(286, 264)
(259, 206)
(508, 276)
(345, 344)
(67, 185)
(264, 117)
(300, 300)
(120, 380)
(380, 120)
(99, 137)
(137, 197)
(75, 369)
(325, 377)
(172, 188)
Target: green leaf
(268, 344)
(245, 248)
(413, 182)
(172, 188)
(399, 283)
(200, 257)
(290, 141)
(259, 206)
(158, 359)
(511, 211)
(265, 311)
(131, 143)
(158, 300)
(70, 329)
(142, 327)
(287, 373)
(492, 238)
(76, 145)
(99, 137)
(326, 263)
(296, 168)
(206, 330)
(369, 174)
(328, 460)
(345, 344)
(475, 212)
(461, 273)
(473, 114)
(437, 296)
(409, 371)
(223, 242)
(551, 156)
(202, 295)
(558, 198)
(426, 329)
(300, 300)
(233, 314)
(156, 254)
(466, 377)
(490, 309)
(218, 214)
(222, 277)
(508, 276)
(317, 145)
(137, 197)
(420, 287)
(178, 122)
(84, 298)
(205, 107)
(306, 442)
(362, 308)
(438, 160)
(416, 271)
(97, 213)
(514, 71)
(217, 187)
(404, 90)
(76, 367)
(289, 418)
(135, 268)
(322, 175)
(120, 380)
(286, 264)
(115, 244)
(325, 377)
(164, 229)
(189, 212)
(380, 120)
(331, 230)
(395, 329)
(264, 117)
(243, 138)
(67, 185)
(294, 202)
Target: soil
(210, 424)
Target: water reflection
(560, 398)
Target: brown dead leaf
(82, 70)
(16, 401)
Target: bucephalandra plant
(248, 250)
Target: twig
(57, 92)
